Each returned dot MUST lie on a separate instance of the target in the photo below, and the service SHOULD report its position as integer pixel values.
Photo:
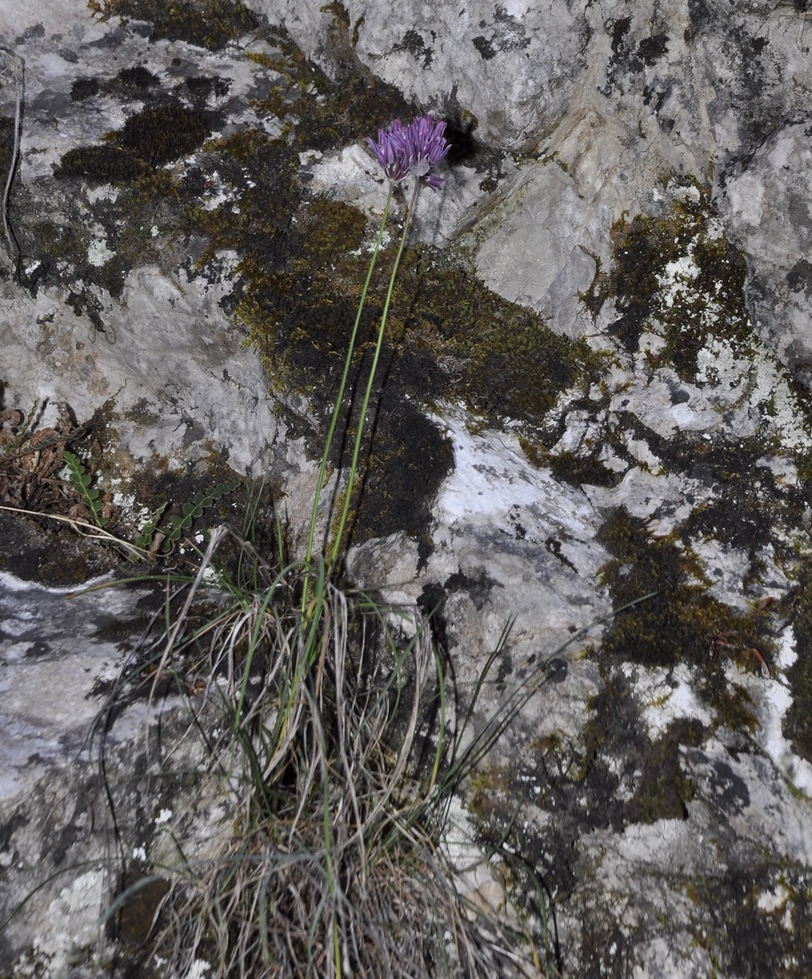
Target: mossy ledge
(675, 272)
(680, 621)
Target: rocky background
(596, 388)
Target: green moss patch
(746, 509)
(447, 336)
(101, 165)
(678, 623)
(301, 269)
(302, 262)
(508, 363)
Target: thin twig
(18, 74)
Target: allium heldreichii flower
(415, 149)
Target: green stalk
(340, 397)
(368, 393)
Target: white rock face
(168, 352)
(551, 233)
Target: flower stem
(341, 389)
(365, 406)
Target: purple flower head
(414, 149)
(391, 151)
(427, 146)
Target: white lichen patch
(198, 969)
(106, 193)
(745, 195)
(642, 454)
(128, 509)
(756, 387)
(771, 901)
(69, 928)
(666, 695)
(98, 254)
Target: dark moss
(165, 132)
(150, 200)
(799, 277)
(84, 88)
(100, 165)
(614, 744)
(665, 788)
(322, 221)
(797, 723)
(409, 459)
(203, 87)
(478, 586)
(620, 777)
(745, 508)
(143, 413)
(580, 469)
(652, 48)
(138, 79)
(639, 250)
(746, 938)
(207, 23)
(627, 777)
(510, 364)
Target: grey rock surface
(633, 187)
(513, 66)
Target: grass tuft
(338, 753)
